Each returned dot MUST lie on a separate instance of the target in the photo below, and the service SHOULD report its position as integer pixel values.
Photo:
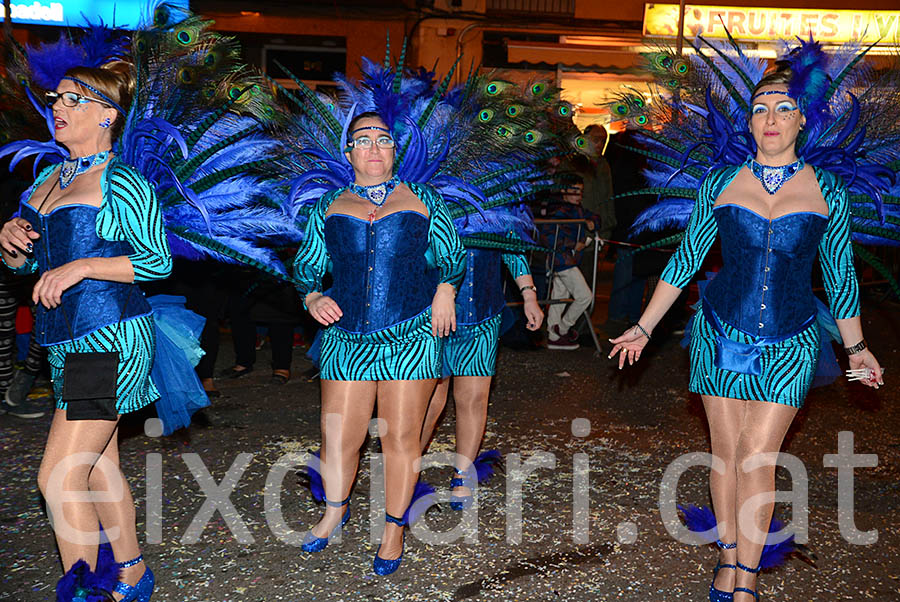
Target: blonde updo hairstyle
(780, 77)
(115, 79)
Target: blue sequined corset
(70, 232)
(764, 287)
(379, 270)
(480, 296)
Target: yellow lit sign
(754, 23)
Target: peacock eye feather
(563, 110)
(186, 76)
(681, 67)
(185, 37)
(638, 102)
(235, 92)
(212, 59)
(503, 132)
(641, 120)
(495, 87)
(580, 142)
(513, 110)
(672, 83)
(621, 108)
(532, 136)
(485, 115)
(538, 89)
(161, 16)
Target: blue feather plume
(313, 477)
(485, 464)
(775, 553)
(82, 584)
(422, 499)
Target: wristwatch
(855, 348)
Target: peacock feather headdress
(198, 129)
(700, 121)
(478, 143)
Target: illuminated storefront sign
(753, 23)
(121, 13)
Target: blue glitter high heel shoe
(142, 590)
(382, 566)
(744, 589)
(313, 544)
(461, 502)
(717, 595)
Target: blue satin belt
(743, 358)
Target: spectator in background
(15, 385)
(598, 182)
(568, 242)
(275, 305)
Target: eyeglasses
(365, 142)
(69, 99)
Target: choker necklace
(773, 178)
(376, 194)
(72, 168)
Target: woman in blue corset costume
(470, 356)
(754, 344)
(385, 321)
(92, 228)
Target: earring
(106, 123)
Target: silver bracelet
(644, 332)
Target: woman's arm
(450, 258)
(698, 238)
(311, 264)
(517, 265)
(841, 286)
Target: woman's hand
(52, 283)
(16, 235)
(323, 309)
(630, 343)
(443, 310)
(865, 360)
(534, 317)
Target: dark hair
(115, 79)
(361, 116)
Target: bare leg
(76, 523)
(764, 428)
(401, 403)
(471, 396)
(346, 409)
(433, 415)
(726, 417)
(119, 514)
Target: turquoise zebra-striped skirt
(135, 340)
(788, 366)
(405, 351)
(472, 349)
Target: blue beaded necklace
(376, 194)
(773, 178)
(72, 168)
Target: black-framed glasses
(366, 142)
(70, 99)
